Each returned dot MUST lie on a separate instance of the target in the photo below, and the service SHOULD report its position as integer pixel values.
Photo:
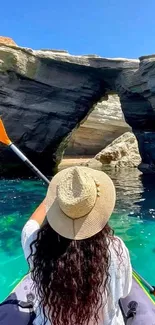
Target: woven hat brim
(90, 224)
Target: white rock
(104, 124)
(122, 152)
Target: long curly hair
(71, 277)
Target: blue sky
(110, 28)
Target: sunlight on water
(133, 220)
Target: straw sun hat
(79, 202)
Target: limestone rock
(92, 163)
(45, 95)
(7, 41)
(104, 124)
(122, 152)
(146, 142)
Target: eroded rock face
(104, 124)
(7, 41)
(122, 152)
(45, 94)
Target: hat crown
(76, 193)
(79, 202)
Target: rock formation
(7, 41)
(122, 152)
(104, 124)
(45, 94)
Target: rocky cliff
(45, 94)
(104, 124)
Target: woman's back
(79, 268)
(119, 278)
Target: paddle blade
(3, 135)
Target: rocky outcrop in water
(46, 94)
(104, 124)
(122, 152)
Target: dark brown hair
(71, 277)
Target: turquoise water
(133, 220)
(18, 199)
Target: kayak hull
(145, 311)
(12, 314)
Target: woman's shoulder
(29, 228)
(117, 241)
(28, 235)
(118, 248)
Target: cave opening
(104, 124)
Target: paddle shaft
(28, 163)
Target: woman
(79, 268)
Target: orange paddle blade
(3, 135)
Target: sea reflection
(135, 192)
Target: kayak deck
(145, 311)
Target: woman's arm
(30, 230)
(39, 214)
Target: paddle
(5, 140)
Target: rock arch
(44, 95)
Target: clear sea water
(133, 220)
